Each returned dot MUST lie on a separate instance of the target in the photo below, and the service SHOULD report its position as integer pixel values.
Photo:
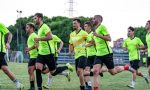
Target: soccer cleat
(70, 68)
(21, 87)
(45, 86)
(88, 87)
(131, 85)
(146, 78)
(32, 88)
(68, 76)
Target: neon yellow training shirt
(131, 45)
(78, 40)
(30, 42)
(91, 50)
(44, 46)
(3, 32)
(53, 44)
(148, 43)
(102, 46)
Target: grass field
(108, 82)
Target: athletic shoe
(88, 87)
(146, 78)
(131, 85)
(32, 88)
(21, 87)
(45, 86)
(69, 67)
(68, 76)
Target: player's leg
(39, 67)
(56, 70)
(89, 66)
(8, 72)
(31, 68)
(96, 69)
(148, 65)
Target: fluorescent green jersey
(148, 43)
(78, 41)
(53, 44)
(131, 45)
(91, 50)
(102, 46)
(44, 46)
(3, 32)
(30, 42)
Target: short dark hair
(31, 25)
(88, 23)
(131, 28)
(99, 16)
(148, 21)
(39, 15)
(78, 20)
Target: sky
(118, 15)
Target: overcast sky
(117, 14)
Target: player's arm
(60, 46)
(124, 46)
(9, 36)
(91, 43)
(70, 48)
(48, 37)
(105, 37)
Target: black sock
(91, 73)
(32, 84)
(82, 88)
(59, 70)
(39, 79)
(101, 74)
(86, 83)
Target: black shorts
(2, 60)
(106, 59)
(32, 62)
(148, 61)
(135, 64)
(56, 58)
(90, 61)
(48, 60)
(80, 62)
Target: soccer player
(3, 64)
(45, 55)
(33, 53)
(76, 44)
(148, 44)
(104, 54)
(133, 45)
(55, 50)
(91, 53)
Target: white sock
(49, 80)
(63, 73)
(133, 82)
(17, 83)
(89, 83)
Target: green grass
(108, 82)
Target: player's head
(30, 27)
(76, 23)
(147, 26)
(38, 17)
(130, 31)
(87, 26)
(97, 19)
